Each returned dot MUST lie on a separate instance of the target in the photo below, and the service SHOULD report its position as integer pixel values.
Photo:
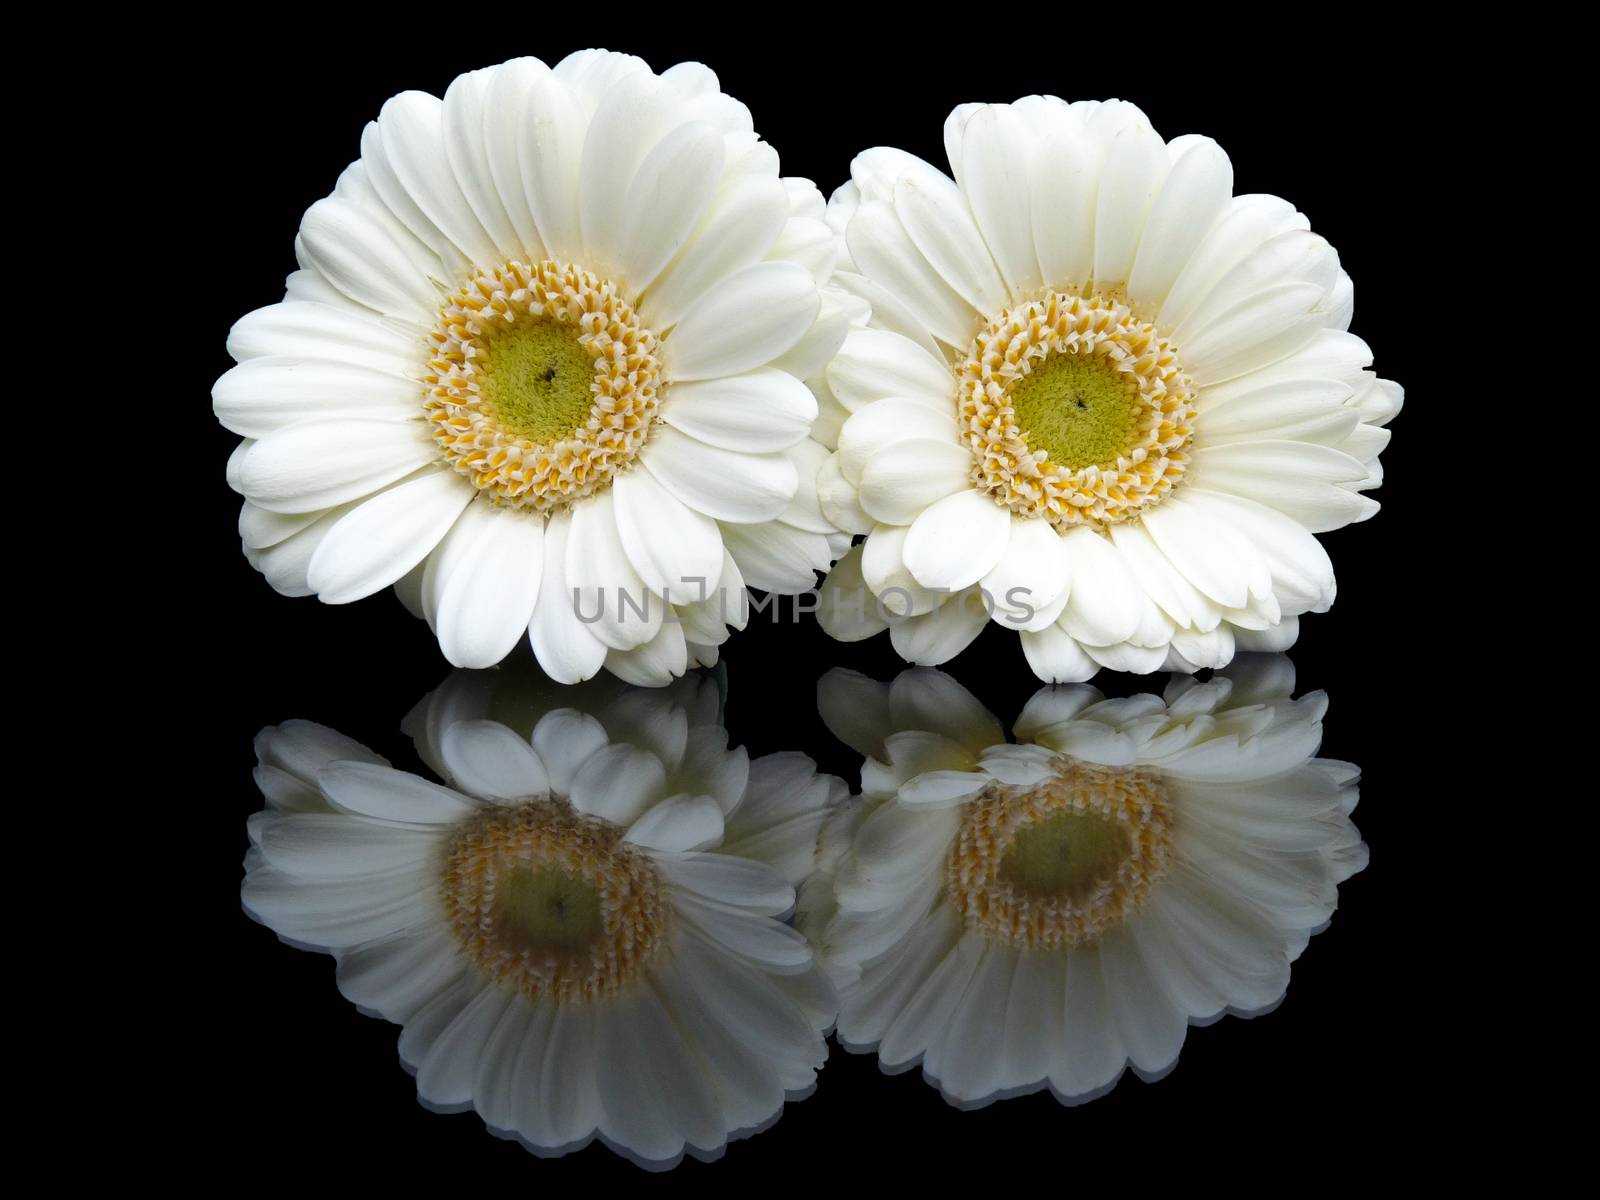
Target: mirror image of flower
(580, 931)
(1041, 913)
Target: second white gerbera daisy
(1101, 400)
(541, 367)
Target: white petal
(1055, 657)
(671, 192)
(745, 321)
(1211, 556)
(380, 540)
(935, 215)
(1302, 574)
(1150, 1027)
(727, 880)
(284, 564)
(610, 597)
(628, 121)
(744, 221)
(1256, 332)
(883, 250)
(1135, 167)
(932, 701)
(759, 411)
(1248, 222)
(510, 92)
(1294, 256)
(564, 740)
(671, 546)
(483, 583)
(884, 423)
(471, 118)
(356, 254)
(551, 140)
(302, 329)
(940, 635)
(875, 363)
(413, 176)
(319, 464)
(657, 662)
(1308, 482)
(1066, 182)
(259, 529)
(836, 497)
(941, 789)
(485, 758)
(776, 557)
(995, 160)
(565, 647)
(1308, 410)
(904, 479)
(724, 484)
(1030, 576)
(957, 541)
(846, 609)
(1167, 586)
(618, 783)
(266, 394)
(804, 511)
(332, 845)
(883, 568)
(379, 791)
(886, 311)
(1192, 200)
(678, 824)
(1104, 603)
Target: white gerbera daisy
(542, 367)
(1041, 913)
(1101, 400)
(582, 934)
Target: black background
(274, 1071)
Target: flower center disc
(1075, 411)
(1078, 409)
(542, 384)
(538, 381)
(1059, 864)
(552, 901)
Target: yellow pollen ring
(1136, 456)
(523, 437)
(552, 902)
(1059, 864)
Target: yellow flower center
(1075, 411)
(552, 902)
(543, 384)
(1059, 864)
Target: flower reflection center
(1067, 854)
(551, 901)
(549, 910)
(1061, 863)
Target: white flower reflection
(1044, 912)
(581, 932)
